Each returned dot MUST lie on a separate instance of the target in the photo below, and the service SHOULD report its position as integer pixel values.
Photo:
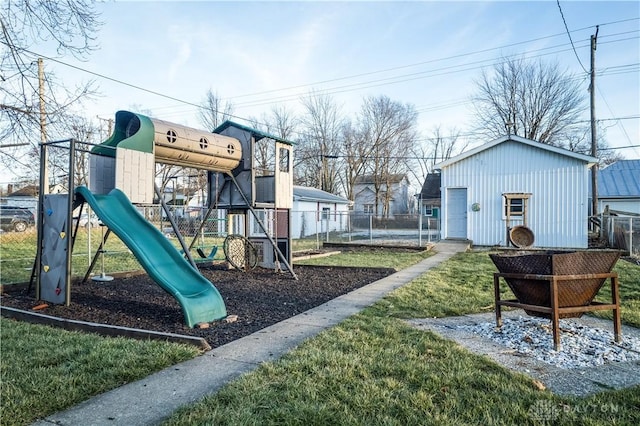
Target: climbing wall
(55, 235)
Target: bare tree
(435, 148)
(389, 127)
(534, 100)
(279, 122)
(167, 173)
(70, 26)
(214, 111)
(321, 127)
(355, 150)
(86, 133)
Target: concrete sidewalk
(154, 398)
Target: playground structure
(122, 173)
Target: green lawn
(371, 369)
(374, 369)
(370, 259)
(44, 369)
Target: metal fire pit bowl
(557, 284)
(573, 292)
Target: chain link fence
(309, 230)
(17, 244)
(318, 227)
(622, 232)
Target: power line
(570, 39)
(421, 63)
(339, 89)
(398, 79)
(372, 83)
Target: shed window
(368, 208)
(515, 205)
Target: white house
(397, 195)
(315, 211)
(514, 181)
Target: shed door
(457, 213)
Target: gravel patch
(581, 345)
(474, 332)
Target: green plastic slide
(200, 300)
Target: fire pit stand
(555, 311)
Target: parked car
(86, 220)
(16, 218)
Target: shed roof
(620, 180)
(305, 193)
(586, 158)
(431, 187)
(27, 191)
(34, 190)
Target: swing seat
(210, 256)
(204, 257)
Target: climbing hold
(49, 212)
(40, 307)
(46, 268)
(63, 234)
(58, 291)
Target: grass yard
(374, 369)
(44, 369)
(371, 369)
(396, 261)
(74, 366)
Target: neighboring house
(175, 199)
(514, 181)
(429, 197)
(315, 211)
(619, 187)
(28, 196)
(397, 195)
(174, 196)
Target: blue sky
(257, 54)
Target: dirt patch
(259, 298)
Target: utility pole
(44, 170)
(594, 145)
(44, 177)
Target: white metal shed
(515, 181)
(316, 211)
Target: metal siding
(558, 185)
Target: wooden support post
(496, 292)
(555, 320)
(615, 300)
